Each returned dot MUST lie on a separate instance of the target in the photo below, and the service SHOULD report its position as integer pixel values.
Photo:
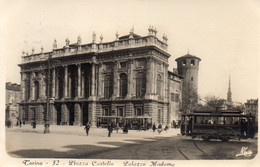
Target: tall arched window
(108, 86)
(159, 85)
(140, 85)
(36, 90)
(123, 85)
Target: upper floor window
(139, 111)
(192, 62)
(140, 63)
(106, 111)
(159, 84)
(120, 111)
(174, 97)
(36, 90)
(140, 85)
(183, 62)
(108, 86)
(122, 65)
(123, 85)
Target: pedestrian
(166, 128)
(125, 130)
(87, 127)
(109, 128)
(34, 124)
(154, 127)
(117, 127)
(20, 124)
(159, 128)
(139, 126)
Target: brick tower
(188, 67)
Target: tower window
(191, 79)
(184, 62)
(192, 62)
(122, 65)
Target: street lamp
(46, 119)
(48, 100)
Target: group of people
(160, 128)
(110, 128)
(115, 126)
(9, 123)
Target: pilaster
(79, 80)
(116, 83)
(53, 116)
(78, 114)
(65, 81)
(53, 82)
(64, 114)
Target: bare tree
(189, 99)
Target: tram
(223, 125)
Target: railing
(101, 47)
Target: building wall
(175, 97)
(251, 106)
(12, 98)
(92, 80)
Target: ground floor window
(106, 111)
(139, 111)
(120, 111)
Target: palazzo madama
(126, 79)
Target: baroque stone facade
(125, 78)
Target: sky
(224, 34)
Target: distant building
(126, 80)
(251, 107)
(12, 98)
(229, 93)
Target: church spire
(229, 94)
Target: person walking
(166, 128)
(154, 127)
(20, 124)
(87, 127)
(109, 128)
(159, 128)
(117, 127)
(139, 126)
(34, 124)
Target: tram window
(229, 120)
(221, 120)
(235, 120)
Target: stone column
(66, 81)
(130, 80)
(101, 82)
(57, 85)
(54, 115)
(79, 80)
(92, 114)
(69, 83)
(116, 84)
(83, 85)
(149, 78)
(53, 82)
(64, 115)
(32, 87)
(93, 79)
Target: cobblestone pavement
(72, 142)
